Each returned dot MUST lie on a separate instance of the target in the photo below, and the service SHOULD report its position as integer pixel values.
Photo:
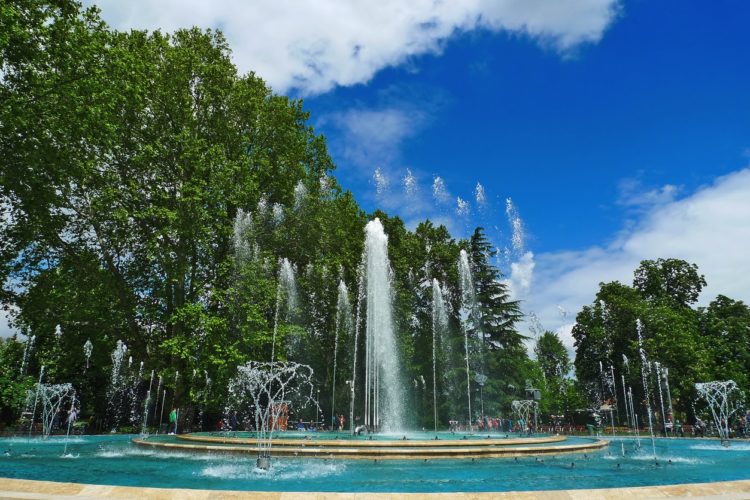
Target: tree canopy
(149, 192)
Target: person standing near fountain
(173, 421)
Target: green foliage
(694, 345)
(13, 385)
(127, 158)
(669, 280)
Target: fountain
(36, 399)
(52, 397)
(665, 376)
(286, 294)
(28, 349)
(657, 370)
(117, 381)
(133, 393)
(439, 325)
(156, 404)
(343, 325)
(523, 410)
(634, 417)
(467, 311)
(144, 425)
(645, 372)
(721, 397)
(383, 389)
(268, 391)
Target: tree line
(149, 190)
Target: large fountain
(383, 393)
(265, 397)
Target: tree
(552, 356)
(497, 312)
(725, 332)
(672, 280)
(502, 355)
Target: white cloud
(316, 46)
(371, 136)
(710, 228)
(633, 194)
(522, 275)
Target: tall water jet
(134, 395)
(665, 375)
(613, 388)
(657, 369)
(114, 395)
(27, 353)
(72, 416)
(439, 324)
(286, 294)
(156, 404)
(36, 399)
(384, 393)
(634, 417)
(645, 372)
(468, 302)
(243, 226)
(144, 425)
(343, 325)
(625, 400)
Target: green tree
(672, 280)
(725, 332)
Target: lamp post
(480, 379)
(350, 383)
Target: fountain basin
(114, 460)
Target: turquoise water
(115, 460)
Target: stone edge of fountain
(389, 453)
(362, 443)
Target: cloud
(632, 194)
(316, 46)
(366, 137)
(710, 228)
(521, 275)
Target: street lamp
(480, 379)
(350, 383)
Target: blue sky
(661, 99)
(619, 128)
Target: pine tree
(497, 314)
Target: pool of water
(114, 460)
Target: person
(173, 421)
(233, 421)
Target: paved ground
(43, 490)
